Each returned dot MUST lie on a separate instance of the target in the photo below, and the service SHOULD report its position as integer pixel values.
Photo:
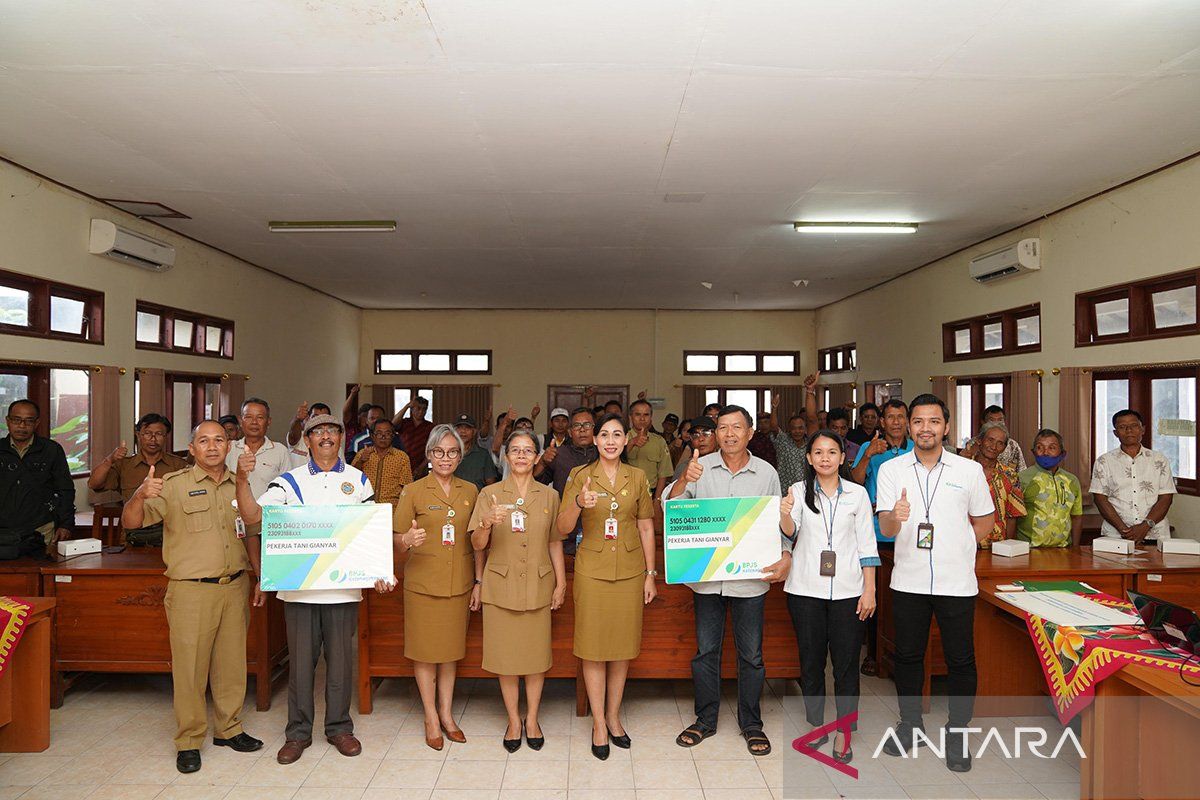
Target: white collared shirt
(309, 486)
(1133, 485)
(845, 525)
(954, 490)
(271, 460)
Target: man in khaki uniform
(646, 450)
(124, 473)
(206, 597)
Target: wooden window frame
(758, 362)
(870, 387)
(1008, 333)
(1140, 400)
(40, 291)
(168, 315)
(415, 354)
(39, 392)
(827, 358)
(198, 383)
(1141, 309)
(977, 384)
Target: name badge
(197, 492)
(925, 536)
(448, 534)
(518, 521)
(610, 528)
(828, 563)
(239, 527)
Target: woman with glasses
(614, 575)
(387, 467)
(524, 580)
(441, 579)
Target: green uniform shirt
(1051, 500)
(652, 458)
(477, 467)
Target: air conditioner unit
(1024, 256)
(120, 244)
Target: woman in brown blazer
(524, 580)
(614, 574)
(441, 578)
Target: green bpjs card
(326, 547)
(720, 538)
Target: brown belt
(222, 580)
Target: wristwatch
(653, 573)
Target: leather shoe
(457, 736)
(187, 761)
(346, 744)
(243, 743)
(292, 750)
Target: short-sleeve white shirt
(307, 485)
(271, 460)
(955, 490)
(1133, 485)
(844, 524)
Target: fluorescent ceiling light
(856, 227)
(324, 226)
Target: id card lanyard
(448, 529)
(610, 524)
(828, 563)
(518, 516)
(925, 529)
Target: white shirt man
(271, 460)
(1133, 484)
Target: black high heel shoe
(513, 745)
(534, 742)
(600, 751)
(623, 741)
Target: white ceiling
(525, 148)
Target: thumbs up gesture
(786, 505)
(588, 498)
(246, 462)
(302, 411)
(694, 469)
(414, 536)
(152, 486)
(878, 445)
(549, 454)
(902, 509)
(120, 452)
(498, 513)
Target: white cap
(560, 412)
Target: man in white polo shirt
(316, 619)
(939, 508)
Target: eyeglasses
(582, 426)
(324, 430)
(23, 421)
(701, 434)
(438, 452)
(522, 451)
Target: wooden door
(570, 396)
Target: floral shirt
(1008, 499)
(388, 473)
(1133, 484)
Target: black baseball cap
(465, 419)
(704, 421)
(671, 418)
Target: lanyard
(928, 501)
(833, 506)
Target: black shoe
(958, 753)
(513, 745)
(243, 743)
(904, 734)
(600, 751)
(623, 741)
(187, 761)
(534, 742)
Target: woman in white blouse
(831, 587)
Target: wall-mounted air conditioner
(121, 244)
(1024, 256)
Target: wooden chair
(106, 525)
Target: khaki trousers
(208, 623)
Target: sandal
(759, 738)
(693, 736)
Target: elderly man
(1053, 496)
(646, 450)
(207, 586)
(297, 447)
(733, 472)
(37, 497)
(412, 432)
(271, 459)
(1012, 455)
(318, 620)
(363, 439)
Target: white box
(78, 547)
(1188, 547)
(1109, 544)
(1010, 548)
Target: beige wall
(293, 342)
(534, 349)
(1141, 230)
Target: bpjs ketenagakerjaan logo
(1021, 742)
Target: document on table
(1064, 608)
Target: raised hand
(549, 454)
(152, 486)
(878, 445)
(588, 498)
(694, 469)
(120, 452)
(537, 409)
(497, 515)
(302, 412)
(775, 402)
(786, 505)
(414, 536)
(246, 462)
(903, 508)
(811, 380)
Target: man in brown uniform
(206, 597)
(123, 473)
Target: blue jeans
(706, 666)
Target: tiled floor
(112, 741)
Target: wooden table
(111, 619)
(668, 642)
(25, 685)
(22, 576)
(1167, 576)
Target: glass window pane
(841, 359)
(12, 387)
(993, 336)
(1173, 431)
(14, 306)
(212, 338)
(149, 328)
(702, 363)
(963, 415)
(853, 358)
(183, 334)
(779, 363)
(396, 362)
(746, 398)
(1110, 397)
(69, 415)
(712, 396)
(137, 396)
(472, 362)
(181, 414)
(212, 400)
(428, 395)
(1174, 307)
(1029, 331)
(66, 314)
(401, 398)
(433, 362)
(993, 394)
(962, 341)
(740, 364)
(1112, 317)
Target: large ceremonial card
(720, 538)
(326, 547)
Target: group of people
(487, 523)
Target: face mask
(1050, 462)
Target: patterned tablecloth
(1074, 660)
(12, 625)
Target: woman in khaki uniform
(524, 580)
(441, 578)
(614, 574)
